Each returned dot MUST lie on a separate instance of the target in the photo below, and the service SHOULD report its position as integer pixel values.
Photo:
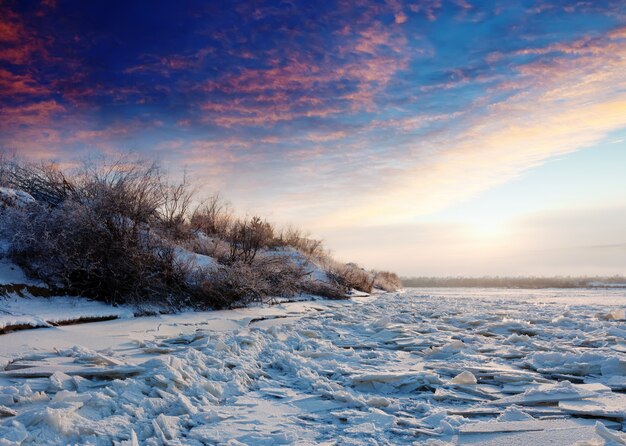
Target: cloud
(568, 103)
(427, 7)
(18, 43)
(352, 113)
(13, 84)
(302, 87)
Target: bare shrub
(247, 237)
(97, 240)
(4, 171)
(121, 232)
(71, 247)
(44, 182)
(325, 289)
(176, 201)
(350, 276)
(387, 281)
(123, 189)
(213, 217)
(241, 283)
(295, 238)
(209, 246)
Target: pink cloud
(427, 7)
(301, 87)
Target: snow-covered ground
(444, 366)
(23, 312)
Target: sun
(488, 226)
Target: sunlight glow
(488, 226)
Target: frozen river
(426, 366)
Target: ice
(552, 432)
(513, 413)
(7, 412)
(616, 315)
(610, 435)
(400, 368)
(514, 426)
(548, 393)
(609, 406)
(61, 381)
(464, 378)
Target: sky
(430, 137)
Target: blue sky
(473, 119)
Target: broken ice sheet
(565, 432)
(606, 406)
(248, 384)
(551, 393)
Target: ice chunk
(616, 382)
(513, 413)
(378, 401)
(61, 381)
(104, 372)
(397, 380)
(608, 406)
(464, 378)
(619, 314)
(6, 412)
(521, 433)
(547, 393)
(610, 435)
(166, 427)
(446, 350)
(613, 367)
(514, 426)
(70, 396)
(132, 441)
(449, 394)
(13, 434)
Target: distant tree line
(516, 282)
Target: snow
(12, 274)
(448, 367)
(196, 261)
(44, 312)
(14, 197)
(315, 272)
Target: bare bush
(213, 217)
(325, 289)
(121, 232)
(97, 241)
(209, 246)
(72, 248)
(247, 237)
(387, 281)
(302, 242)
(176, 201)
(124, 188)
(4, 171)
(241, 283)
(350, 276)
(44, 182)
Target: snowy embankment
(27, 303)
(409, 368)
